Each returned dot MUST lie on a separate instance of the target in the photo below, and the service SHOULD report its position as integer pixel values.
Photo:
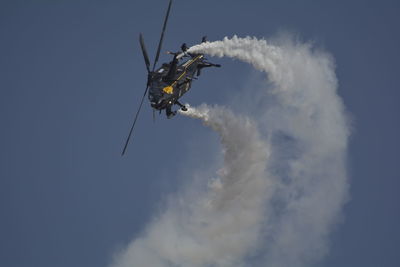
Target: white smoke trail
(217, 227)
(283, 182)
(307, 114)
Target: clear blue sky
(71, 77)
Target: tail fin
(184, 47)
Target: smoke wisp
(283, 181)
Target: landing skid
(183, 108)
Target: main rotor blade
(134, 122)
(162, 35)
(144, 51)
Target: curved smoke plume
(283, 180)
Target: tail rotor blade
(134, 122)
(162, 34)
(144, 51)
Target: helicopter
(168, 83)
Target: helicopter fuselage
(171, 81)
(165, 89)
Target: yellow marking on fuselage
(184, 72)
(168, 89)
